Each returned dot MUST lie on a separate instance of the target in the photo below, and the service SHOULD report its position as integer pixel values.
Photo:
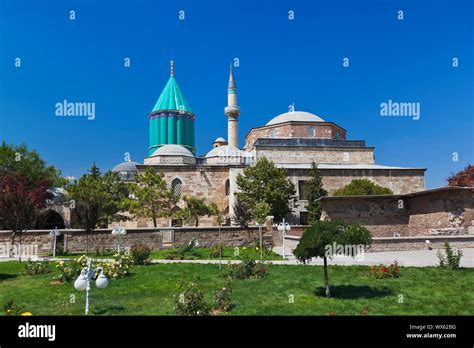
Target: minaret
(232, 112)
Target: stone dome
(172, 150)
(220, 140)
(223, 151)
(298, 116)
(128, 166)
(126, 170)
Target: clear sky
(282, 61)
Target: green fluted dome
(172, 98)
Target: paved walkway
(416, 258)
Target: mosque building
(291, 140)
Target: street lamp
(54, 234)
(83, 281)
(284, 227)
(119, 232)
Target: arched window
(176, 221)
(176, 187)
(227, 187)
(271, 134)
(311, 132)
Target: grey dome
(128, 166)
(220, 140)
(226, 150)
(172, 150)
(298, 116)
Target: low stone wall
(75, 240)
(443, 211)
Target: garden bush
(222, 298)
(37, 267)
(217, 250)
(451, 259)
(140, 254)
(247, 269)
(382, 271)
(190, 300)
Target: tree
(20, 199)
(265, 182)
(152, 197)
(219, 214)
(362, 187)
(98, 200)
(314, 190)
(463, 178)
(323, 238)
(242, 214)
(259, 213)
(19, 160)
(195, 207)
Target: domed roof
(225, 150)
(299, 116)
(220, 140)
(127, 166)
(172, 150)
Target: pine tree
(314, 190)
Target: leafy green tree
(195, 207)
(362, 187)
(314, 190)
(98, 200)
(19, 160)
(265, 182)
(242, 214)
(320, 239)
(152, 197)
(259, 213)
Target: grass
(149, 290)
(198, 254)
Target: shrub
(382, 271)
(247, 269)
(190, 300)
(217, 250)
(222, 298)
(69, 271)
(451, 259)
(140, 254)
(118, 268)
(362, 187)
(37, 267)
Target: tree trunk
(87, 241)
(12, 244)
(326, 280)
(19, 249)
(154, 220)
(197, 221)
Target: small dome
(220, 140)
(221, 151)
(128, 166)
(59, 194)
(298, 116)
(172, 150)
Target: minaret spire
(232, 111)
(171, 67)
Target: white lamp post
(284, 227)
(54, 234)
(119, 232)
(83, 281)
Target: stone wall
(75, 240)
(444, 211)
(323, 130)
(306, 154)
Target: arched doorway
(49, 220)
(176, 221)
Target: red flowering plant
(382, 271)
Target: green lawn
(150, 289)
(198, 253)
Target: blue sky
(282, 62)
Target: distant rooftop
(339, 166)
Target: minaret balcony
(232, 111)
